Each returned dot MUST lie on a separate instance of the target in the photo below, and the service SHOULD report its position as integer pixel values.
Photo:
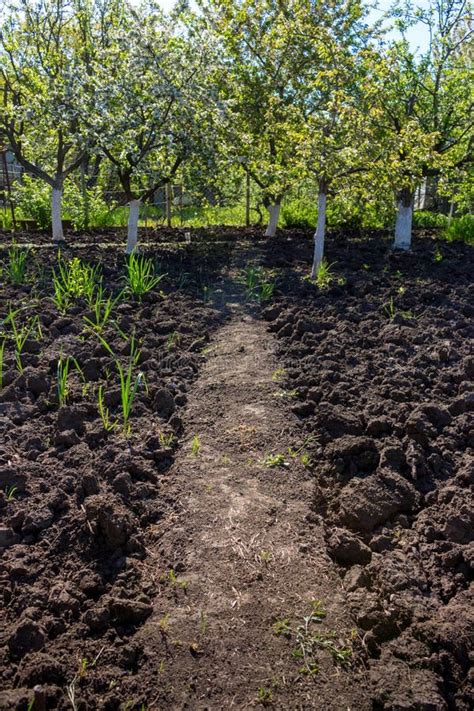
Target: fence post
(9, 189)
(247, 199)
(168, 195)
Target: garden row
(89, 419)
(379, 367)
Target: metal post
(168, 195)
(9, 191)
(247, 199)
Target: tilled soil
(287, 524)
(380, 369)
(78, 503)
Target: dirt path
(244, 551)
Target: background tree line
(108, 93)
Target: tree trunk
(404, 220)
(132, 232)
(320, 232)
(274, 213)
(56, 221)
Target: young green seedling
(63, 369)
(129, 384)
(140, 275)
(101, 308)
(107, 423)
(16, 268)
(21, 333)
(195, 446)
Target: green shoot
(173, 340)
(324, 275)
(104, 411)
(264, 696)
(282, 628)
(129, 384)
(202, 622)
(63, 369)
(166, 440)
(73, 280)
(10, 492)
(195, 446)
(170, 577)
(266, 291)
(16, 269)
(21, 333)
(389, 308)
(140, 275)
(102, 308)
(275, 460)
(256, 286)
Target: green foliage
(428, 220)
(33, 199)
(140, 274)
(6, 221)
(86, 208)
(299, 214)
(462, 229)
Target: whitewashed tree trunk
(132, 232)
(274, 214)
(403, 226)
(319, 234)
(56, 221)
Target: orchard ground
(288, 521)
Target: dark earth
(363, 386)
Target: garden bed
(380, 368)
(79, 496)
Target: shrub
(33, 198)
(299, 215)
(461, 228)
(427, 219)
(86, 208)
